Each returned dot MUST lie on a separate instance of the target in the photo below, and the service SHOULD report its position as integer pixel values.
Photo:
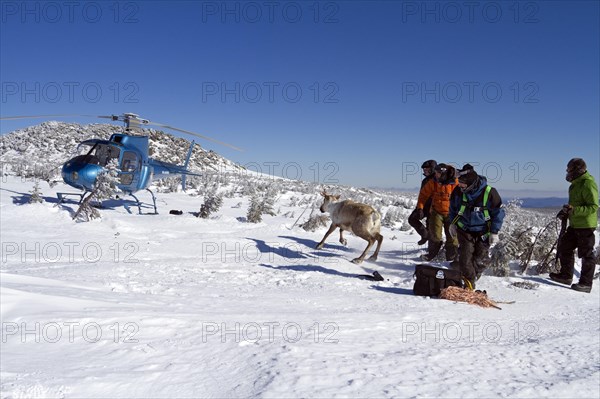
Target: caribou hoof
(373, 257)
(357, 261)
(319, 246)
(344, 242)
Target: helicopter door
(105, 153)
(129, 166)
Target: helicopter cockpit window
(130, 162)
(106, 153)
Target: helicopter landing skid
(139, 204)
(63, 196)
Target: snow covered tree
(405, 226)
(389, 220)
(501, 255)
(527, 238)
(104, 188)
(261, 203)
(86, 210)
(107, 181)
(36, 194)
(212, 203)
(315, 222)
(254, 214)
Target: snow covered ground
(175, 306)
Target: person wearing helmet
(477, 214)
(419, 213)
(438, 190)
(582, 215)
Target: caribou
(360, 219)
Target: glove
(565, 212)
(420, 213)
(453, 231)
(494, 239)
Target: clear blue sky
(358, 92)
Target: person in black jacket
(415, 217)
(477, 214)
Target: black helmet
(429, 164)
(447, 173)
(468, 176)
(575, 168)
(428, 167)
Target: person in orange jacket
(439, 190)
(415, 217)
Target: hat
(467, 175)
(429, 164)
(441, 167)
(575, 168)
(447, 173)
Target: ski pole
(563, 228)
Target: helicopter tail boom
(165, 169)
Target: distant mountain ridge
(549, 202)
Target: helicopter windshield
(81, 149)
(104, 153)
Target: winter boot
(451, 253)
(559, 278)
(434, 249)
(582, 288)
(424, 238)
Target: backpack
(430, 279)
(484, 208)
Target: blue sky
(353, 92)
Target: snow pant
(437, 222)
(583, 240)
(473, 254)
(416, 224)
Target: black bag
(430, 280)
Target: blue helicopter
(130, 149)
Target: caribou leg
(343, 241)
(331, 229)
(379, 239)
(362, 256)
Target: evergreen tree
(104, 188)
(261, 203)
(107, 182)
(36, 194)
(86, 211)
(212, 203)
(391, 217)
(254, 214)
(315, 222)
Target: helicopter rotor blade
(117, 117)
(100, 116)
(54, 116)
(7, 118)
(197, 135)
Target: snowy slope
(143, 306)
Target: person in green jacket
(582, 214)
